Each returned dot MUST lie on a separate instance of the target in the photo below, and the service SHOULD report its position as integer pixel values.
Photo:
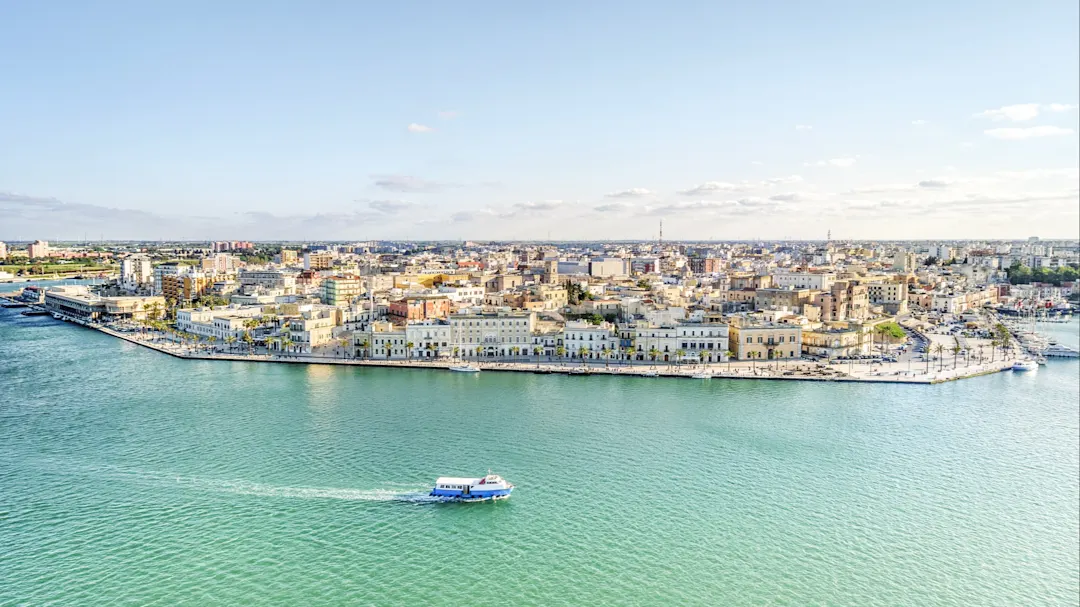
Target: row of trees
(1020, 274)
(1002, 339)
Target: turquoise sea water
(130, 477)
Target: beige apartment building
(750, 339)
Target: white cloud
(697, 206)
(419, 128)
(710, 187)
(1062, 107)
(934, 183)
(407, 183)
(390, 207)
(1027, 133)
(448, 114)
(803, 127)
(757, 163)
(613, 207)
(631, 193)
(790, 197)
(780, 180)
(842, 163)
(1016, 113)
(920, 122)
(531, 207)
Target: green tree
(408, 350)
(940, 351)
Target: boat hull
(472, 496)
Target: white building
(579, 336)
(608, 266)
(219, 323)
(307, 334)
(268, 279)
(804, 280)
(429, 339)
(949, 303)
(135, 271)
(702, 342)
(498, 334)
(647, 339)
(469, 295)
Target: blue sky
(569, 119)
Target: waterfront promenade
(802, 370)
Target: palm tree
(883, 331)
(993, 349)
(728, 354)
(286, 344)
(457, 352)
(514, 351)
(955, 354)
(560, 351)
(679, 354)
(211, 339)
(250, 341)
(606, 353)
(654, 353)
(388, 347)
(365, 347)
(629, 353)
(230, 340)
(940, 349)
(408, 349)
(344, 341)
(537, 351)
(582, 351)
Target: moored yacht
(1025, 365)
(490, 487)
(465, 368)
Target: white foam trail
(414, 494)
(260, 490)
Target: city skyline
(565, 123)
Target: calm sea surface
(129, 477)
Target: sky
(556, 120)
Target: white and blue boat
(490, 487)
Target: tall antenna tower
(661, 240)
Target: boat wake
(326, 493)
(411, 494)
